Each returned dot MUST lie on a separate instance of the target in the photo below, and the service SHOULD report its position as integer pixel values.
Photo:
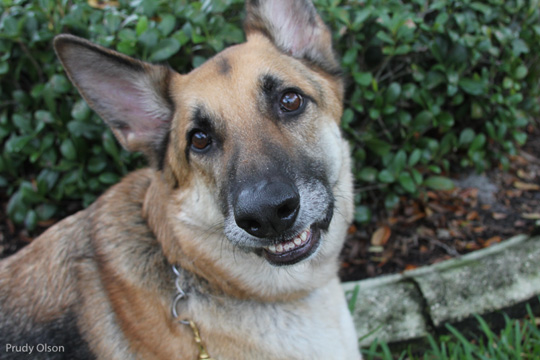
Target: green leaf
(362, 214)
(446, 119)
(520, 137)
(439, 183)
(167, 24)
(398, 162)
(348, 117)
(30, 220)
(417, 176)
(520, 72)
(96, 164)
(422, 121)
(478, 142)
(384, 37)
(386, 176)
(466, 136)
(44, 116)
(142, 25)
(472, 86)
(59, 84)
(393, 92)
(415, 157)
(368, 174)
(67, 149)
(46, 211)
(4, 67)
(391, 201)
(165, 49)
(519, 47)
(379, 147)
(80, 111)
(109, 178)
(363, 78)
(406, 181)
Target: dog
(227, 245)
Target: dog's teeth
(289, 245)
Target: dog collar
(180, 295)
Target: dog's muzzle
(268, 209)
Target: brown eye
(291, 101)
(200, 140)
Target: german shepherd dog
(228, 243)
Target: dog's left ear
(130, 95)
(295, 28)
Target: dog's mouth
(292, 251)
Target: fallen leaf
(423, 231)
(531, 216)
(381, 236)
(513, 193)
(47, 223)
(410, 267)
(526, 186)
(432, 195)
(525, 175)
(375, 249)
(479, 229)
(492, 240)
(415, 218)
(499, 216)
(473, 215)
(471, 246)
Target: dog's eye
(291, 101)
(200, 140)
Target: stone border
(406, 306)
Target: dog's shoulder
(42, 286)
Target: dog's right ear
(130, 95)
(295, 28)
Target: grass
(519, 339)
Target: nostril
(288, 209)
(252, 226)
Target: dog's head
(249, 142)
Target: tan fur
(107, 271)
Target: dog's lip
(292, 251)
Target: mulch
(481, 211)
(436, 226)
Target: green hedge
(450, 83)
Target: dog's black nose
(267, 208)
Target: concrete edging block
(403, 307)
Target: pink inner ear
(139, 107)
(293, 29)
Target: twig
(32, 60)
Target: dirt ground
(482, 210)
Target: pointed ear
(295, 28)
(130, 95)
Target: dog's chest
(317, 327)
